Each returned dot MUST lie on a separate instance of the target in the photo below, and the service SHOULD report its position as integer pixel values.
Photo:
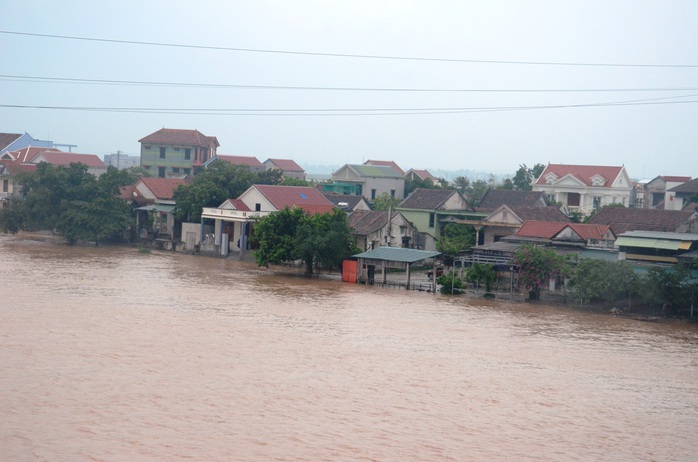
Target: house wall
(383, 185)
(174, 162)
(252, 196)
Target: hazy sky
(485, 79)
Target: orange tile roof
(67, 158)
(305, 197)
(583, 173)
(175, 136)
(162, 188)
(241, 160)
(286, 165)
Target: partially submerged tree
(455, 237)
(71, 202)
(602, 280)
(316, 239)
(537, 266)
(482, 273)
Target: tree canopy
(214, 185)
(71, 202)
(455, 237)
(537, 266)
(316, 239)
(524, 176)
(385, 201)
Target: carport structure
(391, 257)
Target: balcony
(231, 215)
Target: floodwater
(107, 354)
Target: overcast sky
(325, 82)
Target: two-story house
(371, 181)
(585, 188)
(432, 209)
(233, 220)
(658, 194)
(176, 152)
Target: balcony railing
(233, 215)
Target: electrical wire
(341, 55)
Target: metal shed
(390, 257)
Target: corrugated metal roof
(627, 241)
(397, 254)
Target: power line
(63, 80)
(341, 55)
(346, 111)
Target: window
(373, 194)
(258, 207)
(187, 171)
(597, 203)
(573, 199)
(431, 219)
(187, 154)
(175, 169)
(161, 172)
(392, 193)
(162, 153)
(5, 185)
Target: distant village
(650, 222)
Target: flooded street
(107, 354)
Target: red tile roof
(250, 161)
(583, 173)
(179, 137)
(7, 139)
(239, 205)
(15, 167)
(28, 153)
(387, 163)
(162, 188)
(285, 165)
(549, 229)
(67, 158)
(305, 197)
(542, 229)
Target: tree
(290, 234)
(412, 184)
(210, 188)
(482, 272)
(455, 237)
(602, 280)
(476, 191)
(524, 176)
(462, 183)
(667, 287)
(385, 201)
(292, 182)
(536, 267)
(71, 202)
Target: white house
(371, 181)
(584, 188)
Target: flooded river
(107, 354)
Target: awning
(664, 244)
(397, 254)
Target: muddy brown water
(112, 355)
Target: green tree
(385, 201)
(476, 191)
(462, 183)
(602, 280)
(290, 234)
(71, 202)
(450, 283)
(412, 184)
(482, 273)
(667, 287)
(524, 176)
(536, 267)
(211, 187)
(292, 182)
(455, 237)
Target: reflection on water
(108, 354)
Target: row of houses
(501, 217)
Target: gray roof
(397, 254)
(689, 187)
(376, 171)
(495, 198)
(365, 222)
(427, 199)
(351, 200)
(661, 235)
